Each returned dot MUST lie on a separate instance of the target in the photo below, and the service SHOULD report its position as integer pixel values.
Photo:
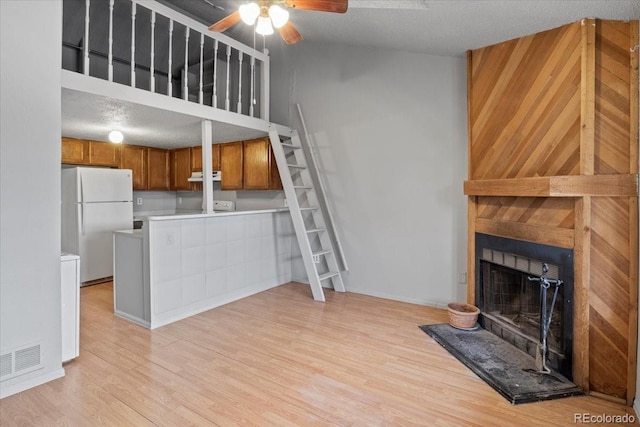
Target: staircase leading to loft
(314, 228)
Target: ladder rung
(295, 147)
(303, 187)
(311, 208)
(315, 230)
(297, 166)
(321, 253)
(328, 275)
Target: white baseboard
(133, 319)
(427, 303)
(6, 391)
(211, 303)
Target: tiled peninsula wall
(197, 262)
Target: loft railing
(149, 46)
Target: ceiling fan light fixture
(278, 15)
(249, 13)
(264, 27)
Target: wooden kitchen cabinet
(75, 151)
(257, 156)
(104, 154)
(275, 183)
(260, 171)
(181, 168)
(231, 161)
(157, 169)
(196, 158)
(133, 157)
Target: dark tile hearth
(501, 365)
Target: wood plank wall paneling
(525, 106)
(633, 211)
(612, 87)
(609, 295)
(557, 103)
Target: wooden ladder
(309, 221)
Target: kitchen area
(133, 214)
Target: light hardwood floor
(277, 358)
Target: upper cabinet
(157, 169)
(181, 168)
(75, 151)
(275, 183)
(92, 153)
(256, 174)
(133, 157)
(231, 162)
(245, 165)
(104, 154)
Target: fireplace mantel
(556, 186)
(553, 159)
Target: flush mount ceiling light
(269, 14)
(116, 136)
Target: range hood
(197, 176)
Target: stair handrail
(323, 194)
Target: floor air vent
(20, 361)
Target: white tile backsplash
(216, 282)
(193, 233)
(235, 252)
(194, 288)
(207, 259)
(216, 256)
(216, 229)
(193, 261)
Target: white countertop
(169, 217)
(130, 233)
(64, 256)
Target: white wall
(391, 131)
(30, 208)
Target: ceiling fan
(267, 14)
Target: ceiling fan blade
(289, 33)
(335, 6)
(226, 22)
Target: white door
(99, 221)
(106, 185)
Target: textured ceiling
(441, 27)
(88, 116)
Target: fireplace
(510, 302)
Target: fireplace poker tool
(545, 317)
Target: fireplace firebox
(510, 302)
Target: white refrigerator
(95, 202)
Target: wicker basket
(462, 315)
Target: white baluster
(152, 71)
(85, 44)
(186, 64)
(133, 44)
(214, 101)
(253, 85)
(110, 58)
(169, 76)
(240, 82)
(201, 94)
(264, 87)
(227, 101)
